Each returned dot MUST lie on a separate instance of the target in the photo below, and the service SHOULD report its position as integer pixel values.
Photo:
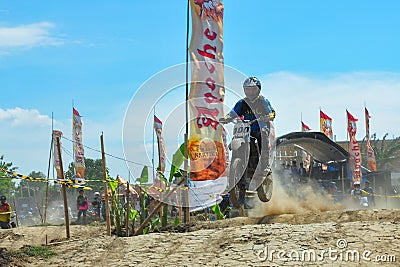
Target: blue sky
(334, 55)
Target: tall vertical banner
(305, 156)
(325, 123)
(160, 144)
(371, 162)
(206, 147)
(354, 148)
(78, 147)
(56, 154)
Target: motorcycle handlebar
(237, 120)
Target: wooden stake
(103, 156)
(64, 191)
(127, 209)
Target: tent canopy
(317, 144)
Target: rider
(5, 213)
(255, 106)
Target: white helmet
(252, 88)
(96, 193)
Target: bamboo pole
(46, 199)
(15, 210)
(127, 209)
(64, 191)
(103, 156)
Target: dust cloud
(288, 200)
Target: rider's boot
(262, 172)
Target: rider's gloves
(271, 115)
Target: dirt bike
(244, 160)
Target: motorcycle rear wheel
(237, 194)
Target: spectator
(82, 205)
(96, 203)
(5, 213)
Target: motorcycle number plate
(241, 130)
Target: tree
(5, 178)
(94, 171)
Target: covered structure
(323, 151)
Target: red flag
(304, 127)
(325, 124)
(351, 124)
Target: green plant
(36, 251)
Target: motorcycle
(244, 160)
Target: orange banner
(78, 146)
(206, 148)
(371, 162)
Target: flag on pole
(371, 162)
(56, 154)
(354, 148)
(160, 143)
(325, 124)
(304, 127)
(207, 91)
(79, 163)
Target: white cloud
(298, 95)
(19, 117)
(28, 36)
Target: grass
(35, 251)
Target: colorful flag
(56, 154)
(207, 91)
(161, 144)
(354, 148)
(304, 127)
(325, 124)
(371, 162)
(78, 146)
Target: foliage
(387, 152)
(35, 251)
(5, 178)
(144, 176)
(218, 212)
(93, 171)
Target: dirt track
(233, 242)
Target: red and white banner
(371, 162)
(56, 154)
(325, 124)
(354, 148)
(78, 146)
(207, 91)
(160, 143)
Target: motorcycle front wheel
(237, 194)
(264, 191)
